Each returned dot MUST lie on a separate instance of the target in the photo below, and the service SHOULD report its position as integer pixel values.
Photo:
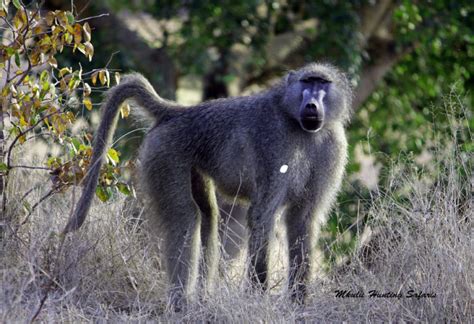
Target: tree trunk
(214, 84)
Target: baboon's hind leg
(205, 197)
(174, 214)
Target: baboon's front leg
(261, 219)
(298, 224)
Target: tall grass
(420, 239)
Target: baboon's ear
(290, 77)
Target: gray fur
(236, 146)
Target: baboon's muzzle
(312, 116)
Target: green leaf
(17, 59)
(17, 4)
(44, 76)
(70, 18)
(3, 167)
(113, 155)
(76, 143)
(102, 194)
(123, 188)
(10, 51)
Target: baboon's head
(317, 95)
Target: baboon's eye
(323, 81)
(315, 79)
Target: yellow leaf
(86, 29)
(64, 71)
(94, 77)
(89, 49)
(62, 85)
(77, 33)
(16, 108)
(117, 77)
(80, 47)
(74, 82)
(88, 103)
(68, 38)
(125, 110)
(13, 90)
(46, 40)
(87, 89)
(20, 20)
(60, 46)
(62, 18)
(38, 29)
(50, 18)
(70, 29)
(53, 62)
(102, 77)
(23, 122)
(4, 8)
(17, 22)
(107, 75)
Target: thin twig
(40, 307)
(30, 66)
(27, 193)
(110, 59)
(10, 148)
(48, 194)
(52, 281)
(32, 167)
(84, 8)
(92, 17)
(9, 26)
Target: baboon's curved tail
(134, 86)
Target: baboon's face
(312, 109)
(314, 98)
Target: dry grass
(421, 224)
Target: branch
(371, 74)
(29, 167)
(373, 17)
(10, 148)
(93, 17)
(46, 196)
(280, 50)
(28, 70)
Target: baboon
(282, 149)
